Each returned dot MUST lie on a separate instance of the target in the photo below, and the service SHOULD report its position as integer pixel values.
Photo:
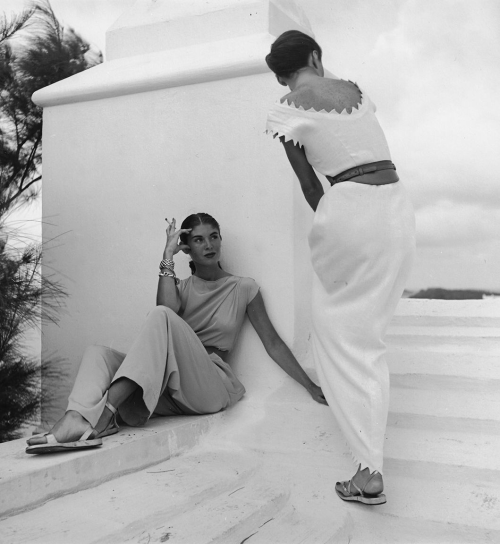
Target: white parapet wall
(166, 128)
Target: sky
(432, 68)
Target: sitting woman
(177, 364)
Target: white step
(229, 496)
(28, 480)
(478, 340)
(442, 493)
(205, 496)
(452, 441)
(373, 528)
(228, 517)
(445, 396)
(451, 313)
(452, 363)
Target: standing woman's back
(334, 121)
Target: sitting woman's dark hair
(290, 52)
(192, 221)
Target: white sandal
(53, 446)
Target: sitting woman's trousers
(174, 373)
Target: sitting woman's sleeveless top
(333, 142)
(215, 310)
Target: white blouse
(333, 142)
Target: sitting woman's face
(205, 243)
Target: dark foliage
(19, 396)
(21, 291)
(35, 51)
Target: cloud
(446, 223)
(432, 68)
(440, 110)
(459, 267)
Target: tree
(42, 53)
(21, 291)
(35, 51)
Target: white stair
(445, 384)
(264, 472)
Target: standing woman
(362, 244)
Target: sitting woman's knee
(163, 311)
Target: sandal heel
(112, 427)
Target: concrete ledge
(26, 481)
(161, 70)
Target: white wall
(116, 166)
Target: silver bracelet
(169, 275)
(167, 263)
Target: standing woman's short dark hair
(192, 221)
(290, 52)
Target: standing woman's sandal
(112, 427)
(344, 491)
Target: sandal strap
(375, 472)
(347, 487)
(357, 488)
(51, 439)
(111, 408)
(87, 433)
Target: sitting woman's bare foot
(68, 429)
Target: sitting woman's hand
(317, 394)
(173, 246)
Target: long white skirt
(362, 247)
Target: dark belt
(361, 170)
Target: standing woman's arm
(309, 182)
